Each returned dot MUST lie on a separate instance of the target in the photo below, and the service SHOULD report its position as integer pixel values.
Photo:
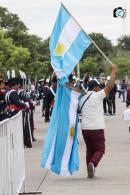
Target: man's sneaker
(91, 170)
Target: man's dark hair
(92, 84)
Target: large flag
(67, 44)
(60, 153)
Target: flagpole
(78, 71)
(89, 37)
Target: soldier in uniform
(28, 126)
(45, 111)
(3, 114)
(50, 98)
(14, 105)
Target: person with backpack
(93, 124)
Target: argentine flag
(60, 152)
(67, 44)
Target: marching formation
(19, 94)
(48, 92)
(14, 97)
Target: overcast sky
(93, 15)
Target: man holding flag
(67, 45)
(93, 124)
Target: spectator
(111, 101)
(119, 89)
(85, 81)
(128, 95)
(123, 90)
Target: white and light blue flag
(60, 152)
(67, 44)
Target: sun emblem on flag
(60, 49)
(72, 131)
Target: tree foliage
(21, 50)
(104, 44)
(27, 52)
(124, 43)
(89, 66)
(123, 66)
(10, 21)
(11, 56)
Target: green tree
(36, 52)
(124, 43)
(18, 57)
(10, 55)
(89, 66)
(10, 21)
(104, 44)
(123, 66)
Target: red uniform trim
(13, 107)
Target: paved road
(112, 175)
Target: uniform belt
(13, 107)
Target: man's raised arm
(111, 82)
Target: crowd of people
(13, 98)
(46, 89)
(16, 95)
(47, 92)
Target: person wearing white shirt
(126, 112)
(127, 116)
(93, 124)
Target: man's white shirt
(92, 111)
